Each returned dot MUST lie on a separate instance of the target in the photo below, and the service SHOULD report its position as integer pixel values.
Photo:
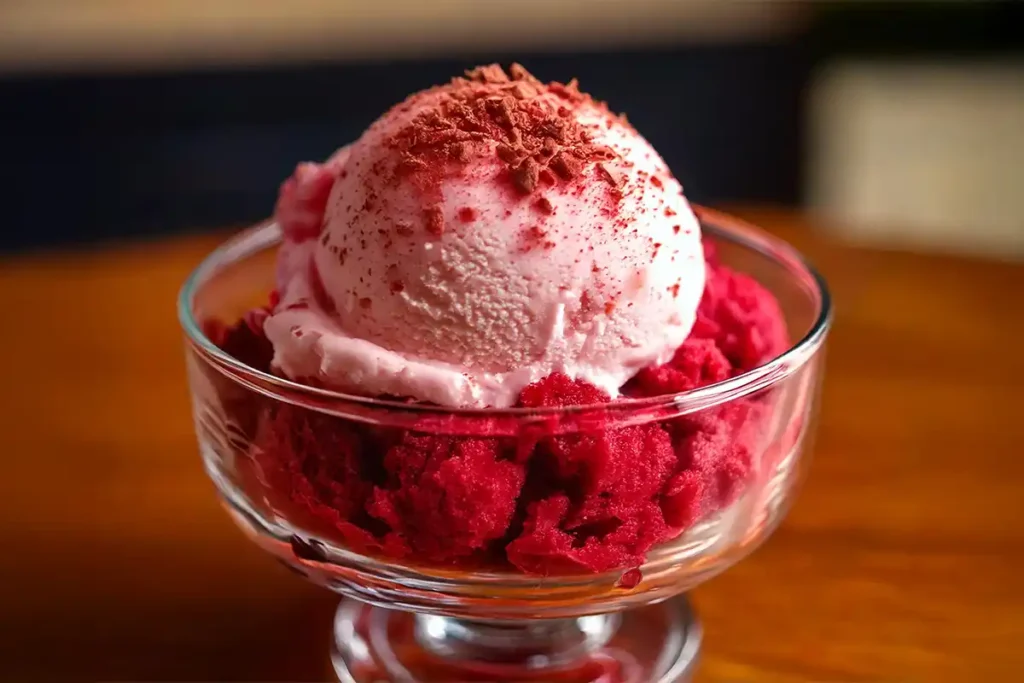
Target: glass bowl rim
(722, 225)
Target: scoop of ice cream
(478, 237)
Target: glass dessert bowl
(456, 557)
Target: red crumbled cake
(559, 497)
(447, 497)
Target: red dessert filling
(589, 498)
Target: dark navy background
(99, 157)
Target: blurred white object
(921, 154)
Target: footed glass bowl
(426, 617)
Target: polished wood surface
(901, 560)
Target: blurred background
(902, 123)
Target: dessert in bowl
(489, 375)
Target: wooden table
(901, 560)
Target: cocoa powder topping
(489, 105)
(525, 175)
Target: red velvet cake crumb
(682, 499)
(550, 545)
(559, 390)
(243, 341)
(627, 465)
(321, 456)
(447, 497)
(591, 494)
(721, 458)
(742, 317)
(567, 494)
(318, 470)
(698, 362)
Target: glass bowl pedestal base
(653, 644)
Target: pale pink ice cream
(479, 237)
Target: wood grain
(899, 562)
